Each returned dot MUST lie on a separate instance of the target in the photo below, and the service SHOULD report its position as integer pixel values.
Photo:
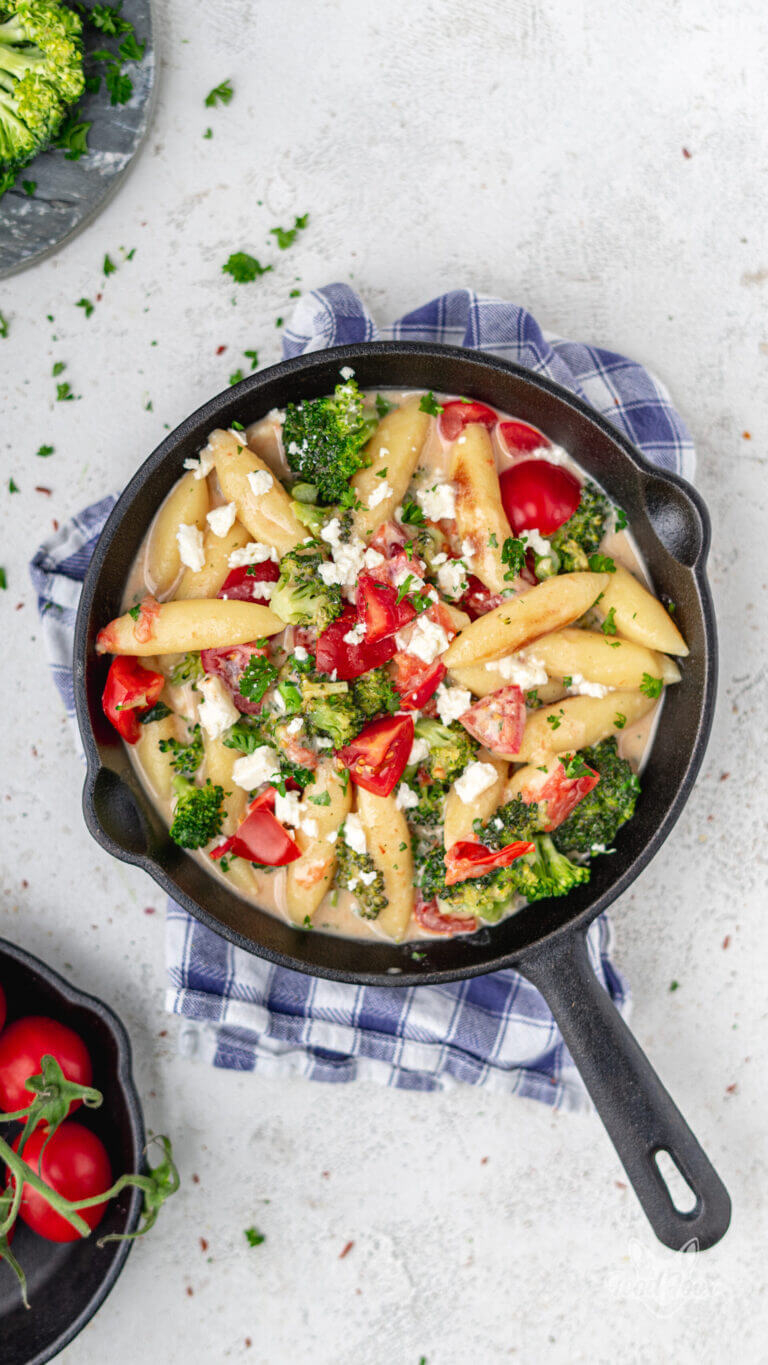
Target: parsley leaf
(135, 612)
(13, 487)
(58, 368)
(574, 766)
(383, 406)
(410, 512)
(221, 94)
(119, 85)
(3, 580)
(555, 721)
(236, 377)
(430, 404)
(513, 555)
(44, 452)
(109, 266)
(253, 1237)
(107, 18)
(257, 676)
(86, 306)
(601, 564)
(619, 720)
(64, 393)
(324, 799)
(253, 356)
(130, 49)
(285, 237)
(651, 686)
(208, 133)
(620, 517)
(244, 268)
(609, 624)
(4, 327)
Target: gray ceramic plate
(70, 193)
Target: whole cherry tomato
(75, 1164)
(518, 438)
(538, 494)
(24, 1043)
(458, 415)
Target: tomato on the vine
(24, 1043)
(75, 1164)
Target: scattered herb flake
(429, 403)
(29, 187)
(64, 393)
(236, 377)
(294, 294)
(13, 487)
(651, 686)
(58, 368)
(674, 985)
(208, 133)
(619, 720)
(244, 268)
(119, 85)
(609, 624)
(4, 326)
(86, 306)
(3, 580)
(253, 1237)
(285, 237)
(109, 266)
(44, 452)
(221, 94)
(601, 564)
(513, 555)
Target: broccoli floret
(451, 748)
(330, 709)
(374, 693)
(431, 808)
(199, 813)
(324, 440)
(595, 822)
(251, 732)
(515, 820)
(580, 536)
(561, 875)
(535, 876)
(186, 757)
(246, 734)
(188, 669)
(301, 598)
(41, 73)
(353, 873)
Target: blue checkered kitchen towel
(242, 1013)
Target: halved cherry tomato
(457, 415)
(378, 757)
(389, 539)
(129, 691)
(240, 584)
(229, 662)
(3, 1008)
(430, 918)
(416, 681)
(478, 599)
(23, 1045)
(334, 653)
(379, 609)
(76, 1165)
(468, 858)
(538, 494)
(498, 720)
(561, 794)
(396, 569)
(260, 838)
(518, 438)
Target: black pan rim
(230, 400)
(124, 1074)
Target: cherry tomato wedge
(334, 653)
(457, 415)
(378, 757)
(468, 858)
(229, 662)
(478, 599)
(538, 494)
(498, 721)
(76, 1165)
(518, 438)
(23, 1045)
(431, 918)
(129, 692)
(242, 585)
(260, 838)
(560, 793)
(389, 539)
(379, 609)
(3, 1009)
(416, 681)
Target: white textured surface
(534, 151)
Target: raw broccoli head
(324, 440)
(451, 748)
(357, 873)
(331, 709)
(301, 598)
(199, 813)
(374, 693)
(41, 73)
(580, 536)
(601, 813)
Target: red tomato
(538, 494)
(458, 415)
(229, 662)
(76, 1165)
(416, 681)
(260, 838)
(378, 757)
(24, 1043)
(468, 858)
(478, 599)
(3, 1009)
(378, 607)
(129, 691)
(518, 438)
(240, 584)
(396, 569)
(431, 919)
(561, 794)
(389, 539)
(350, 660)
(498, 720)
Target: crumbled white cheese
(405, 574)
(288, 808)
(264, 590)
(438, 502)
(331, 836)
(372, 559)
(330, 573)
(419, 751)
(406, 798)
(581, 688)
(217, 711)
(354, 834)
(222, 519)
(439, 559)
(331, 532)
(452, 578)
(202, 466)
(368, 878)
(535, 541)
(293, 726)
(380, 494)
(452, 702)
(347, 372)
(252, 553)
(253, 769)
(476, 778)
(425, 638)
(190, 543)
(310, 828)
(260, 481)
(279, 701)
(356, 635)
(300, 653)
(322, 742)
(348, 558)
(276, 415)
(523, 670)
(468, 550)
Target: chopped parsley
(158, 712)
(236, 377)
(430, 404)
(44, 452)
(257, 676)
(620, 518)
(13, 487)
(383, 406)
(188, 669)
(3, 580)
(294, 293)
(555, 721)
(64, 393)
(253, 1237)
(619, 720)
(410, 512)
(404, 588)
(58, 368)
(86, 306)
(135, 612)
(492, 541)
(29, 187)
(651, 686)
(253, 356)
(4, 328)
(244, 268)
(513, 555)
(601, 564)
(286, 237)
(609, 624)
(674, 985)
(324, 799)
(221, 94)
(208, 133)
(109, 20)
(109, 266)
(574, 766)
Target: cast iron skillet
(68, 1283)
(546, 941)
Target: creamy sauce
(336, 913)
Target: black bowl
(68, 1283)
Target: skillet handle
(640, 1116)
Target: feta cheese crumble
(523, 670)
(406, 798)
(222, 519)
(438, 503)
(356, 635)
(426, 639)
(217, 711)
(203, 465)
(347, 373)
(288, 808)
(354, 834)
(452, 702)
(476, 778)
(380, 494)
(419, 751)
(252, 553)
(253, 769)
(310, 827)
(190, 543)
(260, 481)
(300, 653)
(452, 578)
(535, 541)
(581, 688)
(372, 559)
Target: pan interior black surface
(68, 1283)
(671, 528)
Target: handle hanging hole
(684, 1199)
